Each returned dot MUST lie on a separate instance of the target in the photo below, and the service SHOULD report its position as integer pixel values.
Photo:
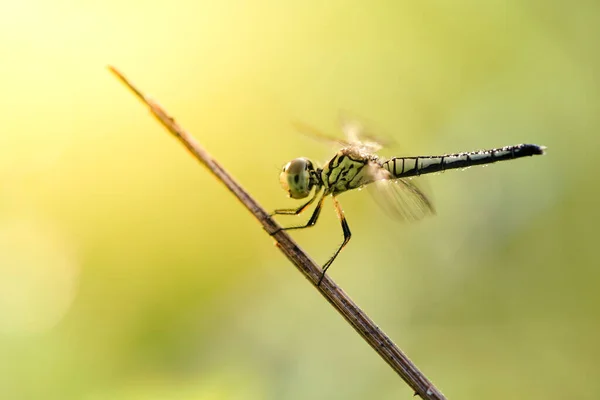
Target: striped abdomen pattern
(402, 167)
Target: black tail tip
(534, 149)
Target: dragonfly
(356, 165)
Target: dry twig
(334, 295)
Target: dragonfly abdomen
(402, 167)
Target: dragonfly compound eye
(295, 178)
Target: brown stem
(378, 340)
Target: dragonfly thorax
(298, 177)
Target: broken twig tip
(115, 71)
(126, 82)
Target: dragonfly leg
(296, 211)
(347, 236)
(311, 222)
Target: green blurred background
(128, 272)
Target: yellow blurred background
(128, 272)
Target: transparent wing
(354, 131)
(357, 130)
(315, 133)
(400, 198)
(356, 134)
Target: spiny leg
(347, 235)
(311, 222)
(296, 211)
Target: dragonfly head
(297, 178)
